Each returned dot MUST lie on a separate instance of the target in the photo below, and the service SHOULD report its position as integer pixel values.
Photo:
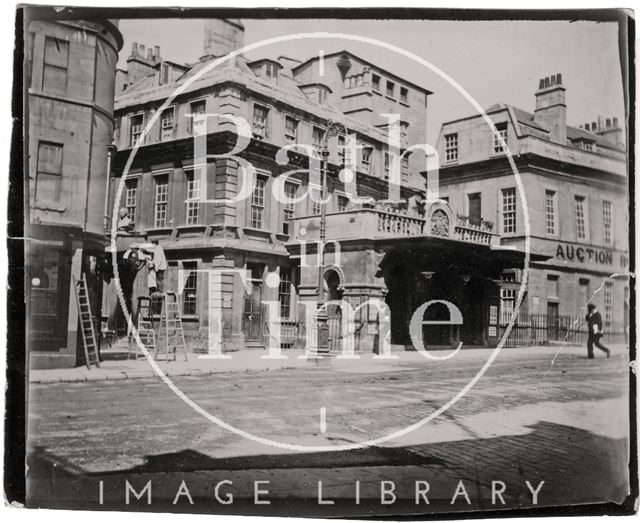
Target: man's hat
(591, 306)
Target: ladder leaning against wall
(89, 340)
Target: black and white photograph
(333, 263)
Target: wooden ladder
(144, 326)
(86, 323)
(171, 335)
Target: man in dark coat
(594, 324)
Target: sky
(493, 61)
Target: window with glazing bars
(391, 87)
(257, 204)
(190, 290)
(550, 212)
(343, 202)
(315, 194)
(193, 197)
(608, 302)
(507, 304)
(607, 221)
(501, 133)
(317, 135)
(161, 201)
(260, 115)
(509, 210)
(56, 65)
(367, 152)
(137, 122)
(375, 82)
(451, 147)
(131, 198)
(290, 129)
(581, 226)
(166, 124)
(284, 293)
(49, 172)
(289, 207)
(196, 122)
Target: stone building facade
(287, 102)
(69, 90)
(575, 182)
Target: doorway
(334, 311)
(252, 315)
(553, 320)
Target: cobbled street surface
(538, 414)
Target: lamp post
(333, 129)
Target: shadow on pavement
(576, 465)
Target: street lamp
(333, 129)
(322, 338)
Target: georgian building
(575, 182)
(69, 120)
(376, 250)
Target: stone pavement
(254, 360)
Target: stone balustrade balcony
(367, 223)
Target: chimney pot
(156, 52)
(150, 54)
(134, 49)
(594, 126)
(615, 122)
(608, 123)
(551, 109)
(141, 50)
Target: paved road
(537, 415)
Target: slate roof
(237, 70)
(573, 133)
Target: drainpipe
(107, 193)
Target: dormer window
(500, 136)
(266, 68)
(165, 69)
(317, 92)
(322, 94)
(271, 70)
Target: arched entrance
(333, 292)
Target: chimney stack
(222, 36)
(551, 107)
(610, 129)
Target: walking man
(594, 324)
